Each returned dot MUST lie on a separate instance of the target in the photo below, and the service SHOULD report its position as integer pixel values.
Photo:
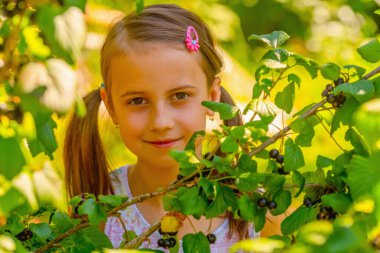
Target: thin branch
(372, 73)
(332, 137)
(140, 239)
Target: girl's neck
(146, 177)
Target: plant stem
(332, 137)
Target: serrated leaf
(357, 141)
(191, 143)
(293, 159)
(275, 59)
(344, 114)
(310, 66)
(98, 239)
(246, 164)
(260, 219)
(11, 157)
(299, 181)
(229, 145)
(225, 199)
(226, 111)
(339, 201)
(112, 200)
(361, 90)
(370, 51)
(285, 99)
(324, 162)
(360, 176)
(196, 243)
(62, 221)
(283, 201)
(191, 202)
(262, 107)
(95, 211)
(274, 39)
(330, 71)
(299, 217)
(41, 230)
(359, 70)
(260, 71)
(248, 181)
(246, 207)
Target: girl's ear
(104, 97)
(214, 93)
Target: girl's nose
(160, 119)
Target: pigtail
(86, 166)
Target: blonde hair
(85, 161)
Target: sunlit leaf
(273, 39)
(285, 99)
(10, 148)
(330, 71)
(226, 111)
(196, 243)
(370, 51)
(299, 217)
(362, 90)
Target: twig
(141, 238)
(332, 137)
(372, 73)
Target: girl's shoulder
(119, 180)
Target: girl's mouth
(164, 143)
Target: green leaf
(285, 99)
(11, 157)
(45, 134)
(225, 199)
(357, 141)
(310, 66)
(248, 181)
(342, 240)
(191, 202)
(260, 219)
(246, 207)
(341, 162)
(274, 59)
(274, 39)
(10, 200)
(324, 162)
(229, 145)
(226, 111)
(262, 107)
(247, 164)
(370, 51)
(344, 114)
(360, 176)
(196, 243)
(299, 217)
(299, 181)
(359, 70)
(293, 159)
(330, 71)
(191, 143)
(283, 201)
(112, 200)
(293, 78)
(98, 239)
(95, 211)
(81, 4)
(207, 186)
(260, 71)
(41, 230)
(139, 6)
(362, 90)
(62, 221)
(339, 201)
(274, 182)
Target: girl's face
(156, 95)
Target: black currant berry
(211, 238)
(307, 202)
(272, 205)
(273, 153)
(172, 242)
(24, 235)
(338, 81)
(160, 242)
(325, 93)
(331, 98)
(341, 98)
(329, 87)
(281, 171)
(167, 243)
(262, 202)
(280, 159)
(335, 104)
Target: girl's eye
(137, 101)
(181, 95)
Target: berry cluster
(24, 235)
(334, 100)
(326, 213)
(167, 243)
(275, 154)
(263, 202)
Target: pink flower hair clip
(191, 44)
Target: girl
(157, 66)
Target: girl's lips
(163, 143)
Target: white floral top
(133, 220)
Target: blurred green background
(325, 31)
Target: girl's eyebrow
(185, 86)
